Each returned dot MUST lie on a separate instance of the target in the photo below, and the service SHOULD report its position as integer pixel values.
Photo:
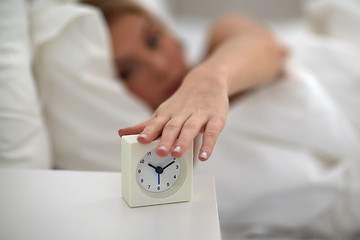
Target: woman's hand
(242, 55)
(199, 105)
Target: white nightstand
(51, 204)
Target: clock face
(147, 179)
(157, 174)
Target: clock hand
(168, 165)
(152, 166)
(158, 169)
(158, 178)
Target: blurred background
(264, 10)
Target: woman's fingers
(189, 130)
(132, 130)
(153, 129)
(169, 135)
(211, 133)
(178, 133)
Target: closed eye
(153, 41)
(152, 35)
(127, 72)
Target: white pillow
(23, 139)
(84, 103)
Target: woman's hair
(112, 9)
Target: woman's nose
(160, 65)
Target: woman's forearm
(244, 53)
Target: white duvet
(288, 161)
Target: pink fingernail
(143, 135)
(177, 149)
(203, 155)
(162, 148)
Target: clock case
(135, 196)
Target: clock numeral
(149, 186)
(174, 176)
(168, 184)
(142, 161)
(177, 166)
(142, 180)
(158, 188)
(148, 153)
(139, 171)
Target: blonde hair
(112, 9)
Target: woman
(241, 55)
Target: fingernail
(203, 155)
(162, 148)
(177, 149)
(143, 135)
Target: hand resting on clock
(242, 54)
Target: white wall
(259, 9)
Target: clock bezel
(173, 189)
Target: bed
(286, 166)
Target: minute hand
(168, 165)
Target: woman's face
(147, 57)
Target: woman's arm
(245, 51)
(242, 55)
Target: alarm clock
(148, 179)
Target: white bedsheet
(288, 161)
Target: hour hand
(152, 166)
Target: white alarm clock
(148, 179)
